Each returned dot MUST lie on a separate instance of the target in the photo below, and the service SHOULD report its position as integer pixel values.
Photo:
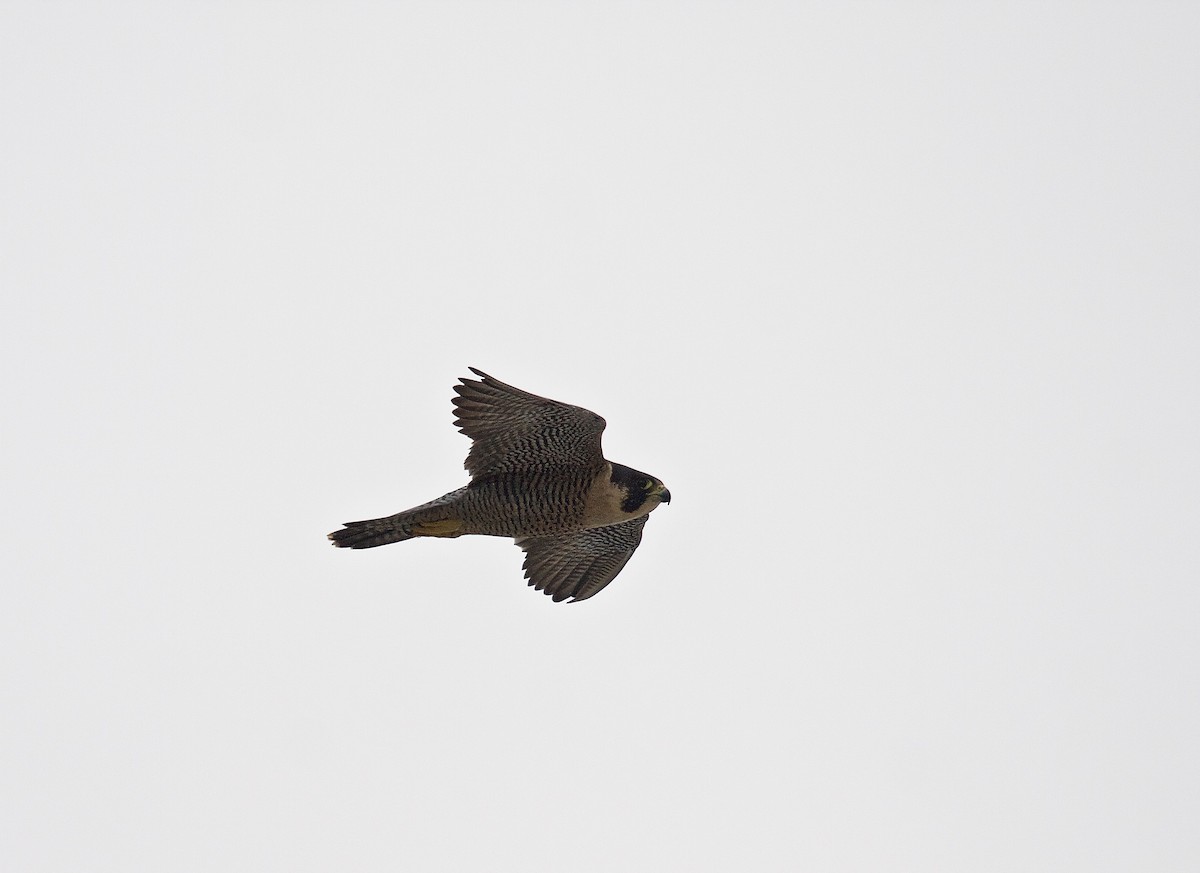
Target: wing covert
(514, 430)
(578, 565)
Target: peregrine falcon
(537, 475)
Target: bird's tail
(436, 518)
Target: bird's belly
(524, 505)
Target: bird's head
(643, 492)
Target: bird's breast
(526, 504)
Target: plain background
(900, 300)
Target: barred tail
(433, 519)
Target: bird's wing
(578, 565)
(514, 430)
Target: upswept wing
(578, 565)
(513, 430)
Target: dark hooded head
(639, 488)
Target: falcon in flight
(537, 475)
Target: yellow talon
(450, 527)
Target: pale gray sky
(900, 300)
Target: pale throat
(604, 502)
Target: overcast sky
(901, 301)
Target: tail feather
(371, 533)
(432, 519)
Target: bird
(538, 475)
